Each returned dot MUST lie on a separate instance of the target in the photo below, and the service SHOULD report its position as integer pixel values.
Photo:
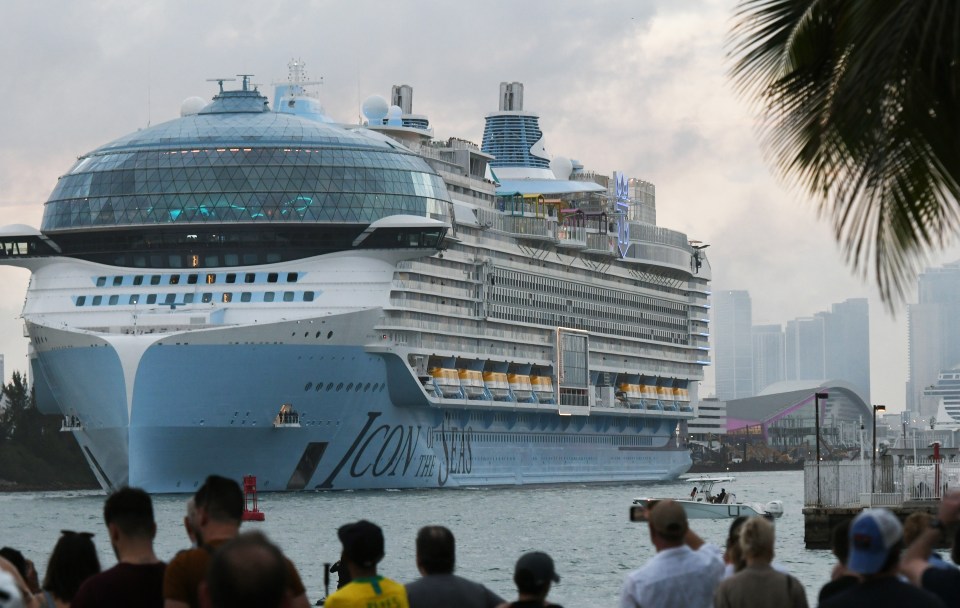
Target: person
(10, 594)
(439, 586)
(363, 548)
(684, 572)
(722, 496)
(693, 493)
(733, 556)
(246, 572)
(841, 577)
(219, 504)
(913, 526)
(876, 541)
(190, 524)
(13, 589)
(74, 560)
(24, 566)
(533, 575)
(758, 584)
(137, 579)
(916, 566)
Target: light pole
(873, 458)
(816, 421)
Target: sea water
(585, 528)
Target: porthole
(329, 334)
(339, 386)
(329, 386)
(308, 386)
(349, 387)
(319, 386)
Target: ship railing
(71, 423)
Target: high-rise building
(847, 344)
(934, 336)
(3, 372)
(733, 344)
(767, 356)
(832, 345)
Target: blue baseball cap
(873, 534)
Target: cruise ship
(253, 288)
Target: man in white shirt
(684, 572)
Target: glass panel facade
(233, 185)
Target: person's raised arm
(916, 558)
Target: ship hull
(202, 405)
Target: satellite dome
(393, 116)
(192, 105)
(375, 109)
(561, 167)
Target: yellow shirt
(369, 592)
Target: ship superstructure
(247, 290)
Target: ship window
(231, 259)
(291, 277)
(329, 386)
(152, 298)
(138, 280)
(249, 277)
(339, 386)
(97, 300)
(211, 261)
(170, 298)
(192, 279)
(134, 299)
(288, 296)
(188, 298)
(207, 298)
(101, 281)
(232, 277)
(155, 279)
(350, 387)
(245, 296)
(81, 300)
(268, 296)
(211, 279)
(174, 279)
(227, 297)
(114, 300)
(308, 296)
(272, 277)
(174, 261)
(117, 281)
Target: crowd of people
(879, 563)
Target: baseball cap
(668, 519)
(362, 542)
(535, 568)
(873, 534)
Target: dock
(839, 490)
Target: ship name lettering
(427, 463)
(399, 446)
(457, 451)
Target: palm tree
(859, 104)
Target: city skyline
(637, 87)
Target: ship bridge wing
(19, 241)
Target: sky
(637, 86)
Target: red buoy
(251, 512)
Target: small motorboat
(702, 503)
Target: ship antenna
(297, 77)
(220, 81)
(246, 81)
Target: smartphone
(639, 512)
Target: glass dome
(237, 162)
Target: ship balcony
(71, 424)
(572, 237)
(602, 244)
(287, 418)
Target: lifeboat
(471, 381)
(543, 388)
(682, 397)
(631, 393)
(446, 381)
(521, 386)
(498, 385)
(665, 395)
(649, 392)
